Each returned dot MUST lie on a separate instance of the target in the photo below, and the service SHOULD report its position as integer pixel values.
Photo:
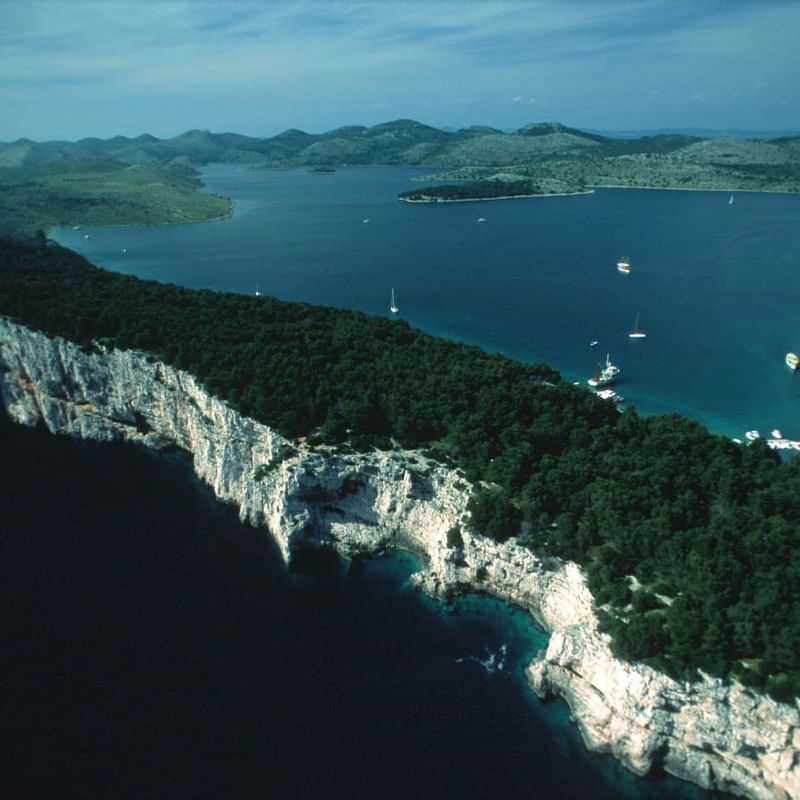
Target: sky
(72, 68)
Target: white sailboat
(637, 332)
(730, 201)
(393, 307)
(604, 374)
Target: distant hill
(91, 181)
(401, 141)
(702, 133)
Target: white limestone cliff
(719, 736)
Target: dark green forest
(472, 190)
(708, 528)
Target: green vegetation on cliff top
(709, 529)
(95, 192)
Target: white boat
(611, 395)
(637, 332)
(393, 307)
(776, 434)
(604, 374)
(624, 264)
(751, 436)
(792, 361)
(365, 220)
(481, 219)
(730, 202)
(593, 343)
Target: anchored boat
(604, 374)
(637, 332)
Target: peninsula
(672, 610)
(644, 592)
(496, 188)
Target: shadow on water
(156, 647)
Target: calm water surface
(716, 284)
(153, 647)
(160, 648)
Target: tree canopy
(690, 541)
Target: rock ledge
(719, 736)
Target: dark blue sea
(716, 284)
(154, 647)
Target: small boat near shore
(792, 361)
(777, 440)
(393, 306)
(610, 395)
(624, 265)
(604, 375)
(782, 444)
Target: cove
(159, 648)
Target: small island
(492, 189)
(146, 180)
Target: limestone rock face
(721, 737)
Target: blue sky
(74, 69)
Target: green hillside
(97, 192)
(546, 153)
(708, 528)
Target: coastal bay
(362, 222)
(267, 655)
(535, 281)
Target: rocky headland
(720, 736)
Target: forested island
(146, 180)
(492, 189)
(690, 541)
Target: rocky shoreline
(719, 736)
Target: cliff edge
(719, 736)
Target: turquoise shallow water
(400, 696)
(154, 647)
(716, 284)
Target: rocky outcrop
(719, 736)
